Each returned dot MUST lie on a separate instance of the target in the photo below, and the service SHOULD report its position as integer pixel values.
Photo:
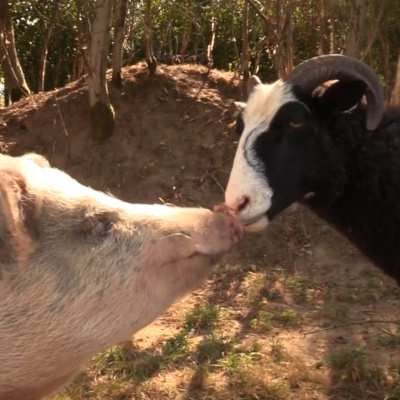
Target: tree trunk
(101, 110)
(322, 22)
(373, 30)
(45, 48)
(187, 30)
(358, 24)
(211, 43)
(148, 38)
(15, 77)
(288, 34)
(119, 38)
(244, 61)
(43, 60)
(395, 97)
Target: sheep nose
(242, 204)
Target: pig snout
(217, 234)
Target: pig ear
(37, 159)
(17, 212)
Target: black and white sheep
(331, 147)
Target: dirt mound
(171, 141)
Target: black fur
(354, 173)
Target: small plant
(202, 318)
(262, 322)
(237, 360)
(176, 348)
(298, 287)
(336, 311)
(351, 366)
(261, 287)
(212, 349)
(288, 317)
(126, 363)
(78, 389)
(249, 380)
(116, 360)
(278, 351)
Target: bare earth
(294, 313)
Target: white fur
(248, 178)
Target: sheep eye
(295, 125)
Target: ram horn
(312, 73)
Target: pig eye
(98, 223)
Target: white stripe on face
(248, 178)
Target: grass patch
(278, 351)
(78, 389)
(211, 350)
(261, 287)
(336, 311)
(298, 286)
(202, 318)
(262, 322)
(288, 317)
(127, 364)
(239, 359)
(248, 376)
(354, 374)
(176, 348)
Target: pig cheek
(170, 248)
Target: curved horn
(315, 71)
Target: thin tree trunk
(78, 67)
(187, 30)
(245, 45)
(43, 59)
(101, 110)
(119, 34)
(259, 50)
(288, 33)
(57, 70)
(374, 30)
(45, 48)
(395, 97)
(332, 43)
(18, 86)
(322, 22)
(357, 32)
(148, 38)
(211, 44)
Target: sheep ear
(342, 96)
(237, 108)
(17, 211)
(252, 83)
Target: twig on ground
(217, 182)
(352, 323)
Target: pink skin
(220, 233)
(234, 213)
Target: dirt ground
(294, 313)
